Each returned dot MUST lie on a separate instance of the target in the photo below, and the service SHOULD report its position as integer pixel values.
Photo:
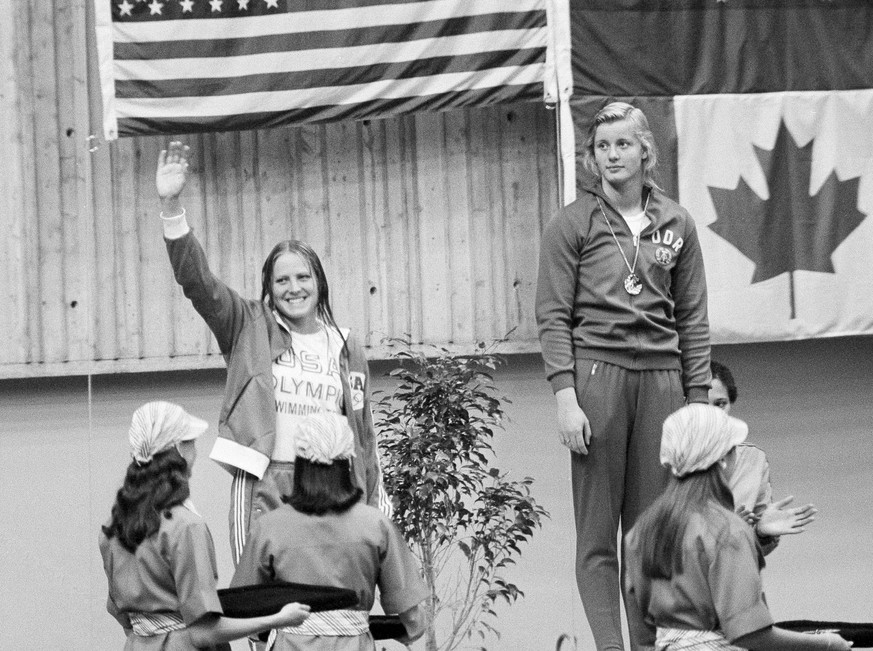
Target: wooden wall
(428, 225)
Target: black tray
(386, 627)
(268, 598)
(860, 634)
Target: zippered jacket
(582, 307)
(250, 337)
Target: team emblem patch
(664, 255)
(356, 384)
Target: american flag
(183, 66)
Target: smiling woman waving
(286, 358)
(621, 309)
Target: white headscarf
(323, 437)
(697, 436)
(157, 426)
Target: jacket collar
(653, 209)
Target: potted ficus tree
(463, 518)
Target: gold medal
(632, 285)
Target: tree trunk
(430, 641)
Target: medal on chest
(632, 283)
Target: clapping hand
(776, 520)
(749, 516)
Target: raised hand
(777, 520)
(172, 172)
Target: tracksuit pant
(251, 497)
(619, 477)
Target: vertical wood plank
(522, 208)
(547, 157)
(344, 259)
(78, 237)
(412, 204)
(458, 202)
(15, 200)
(312, 225)
(277, 165)
(498, 229)
(127, 299)
(190, 334)
(484, 248)
(155, 280)
(224, 247)
(432, 221)
(104, 329)
(397, 281)
(375, 220)
(226, 209)
(45, 118)
(249, 210)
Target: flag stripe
(739, 46)
(303, 22)
(162, 68)
(235, 8)
(203, 106)
(315, 60)
(313, 79)
(135, 126)
(187, 38)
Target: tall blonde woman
(621, 309)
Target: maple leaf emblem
(792, 230)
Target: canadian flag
(781, 185)
(762, 112)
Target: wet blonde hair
(614, 112)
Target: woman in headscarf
(325, 535)
(157, 550)
(693, 565)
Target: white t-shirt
(637, 223)
(306, 379)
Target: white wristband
(181, 214)
(175, 226)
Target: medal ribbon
(630, 267)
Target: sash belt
(150, 624)
(337, 623)
(678, 639)
(333, 623)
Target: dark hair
(321, 488)
(149, 491)
(614, 112)
(661, 527)
(723, 373)
(305, 251)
